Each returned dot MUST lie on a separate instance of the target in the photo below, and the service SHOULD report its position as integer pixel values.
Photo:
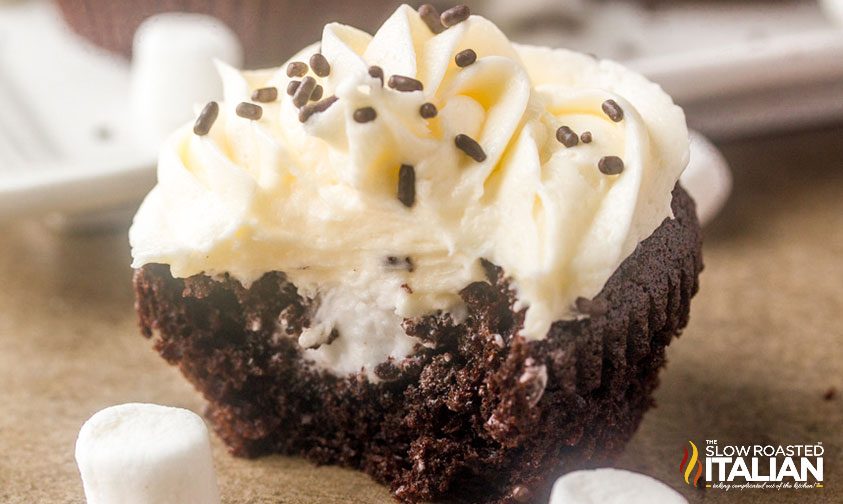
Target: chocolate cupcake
(433, 255)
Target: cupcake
(447, 260)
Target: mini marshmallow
(173, 70)
(612, 486)
(833, 9)
(146, 454)
(707, 178)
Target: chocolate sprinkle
(249, 111)
(428, 110)
(395, 262)
(470, 146)
(586, 137)
(265, 95)
(316, 95)
(315, 107)
(376, 72)
(455, 15)
(303, 93)
(320, 65)
(206, 119)
(610, 165)
(405, 84)
(567, 137)
(613, 110)
(407, 185)
(830, 394)
(296, 69)
(365, 114)
(387, 371)
(465, 58)
(292, 86)
(430, 16)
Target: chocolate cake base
(483, 416)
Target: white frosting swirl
(318, 200)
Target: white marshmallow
(612, 486)
(833, 9)
(707, 178)
(173, 70)
(146, 454)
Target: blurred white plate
(65, 128)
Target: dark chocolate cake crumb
(610, 165)
(249, 111)
(456, 424)
(613, 110)
(455, 15)
(265, 95)
(465, 58)
(365, 114)
(592, 307)
(428, 110)
(430, 16)
(492, 272)
(387, 371)
(315, 107)
(292, 86)
(304, 91)
(296, 69)
(404, 83)
(470, 146)
(206, 119)
(567, 137)
(376, 72)
(320, 65)
(586, 137)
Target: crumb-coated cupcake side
(476, 416)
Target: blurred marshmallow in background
(707, 178)
(833, 9)
(173, 70)
(270, 30)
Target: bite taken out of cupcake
(434, 255)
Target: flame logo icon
(686, 467)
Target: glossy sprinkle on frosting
(319, 199)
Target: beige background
(764, 345)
